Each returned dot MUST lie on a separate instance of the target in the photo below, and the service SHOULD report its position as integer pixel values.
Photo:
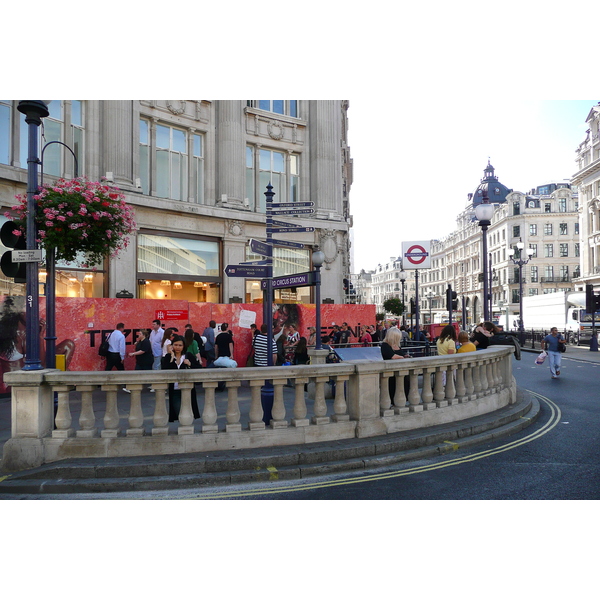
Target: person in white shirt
(116, 349)
(156, 341)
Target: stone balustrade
(57, 415)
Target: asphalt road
(555, 458)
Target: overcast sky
(415, 162)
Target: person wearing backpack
(116, 349)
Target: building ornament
(329, 245)
(235, 227)
(176, 110)
(275, 130)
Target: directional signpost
(291, 229)
(259, 247)
(247, 271)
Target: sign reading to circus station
(416, 255)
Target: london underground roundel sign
(416, 255)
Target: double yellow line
(555, 416)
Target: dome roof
(496, 191)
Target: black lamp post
(318, 258)
(484, 213)
(520, 262)
(34, 111)
(402, 280)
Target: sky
(414, 173)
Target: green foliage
(394, 306)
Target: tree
(394, 306)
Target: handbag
(541, 358)
(103, 350)
(562, 347)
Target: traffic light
(451, 300)
(592, 301)
(15, 270)
(412, 306)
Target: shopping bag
(541, 358)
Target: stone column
(117, 140)
(231, 154)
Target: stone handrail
(58, 414)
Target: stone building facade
(587, 178)
(195, 172)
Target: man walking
(550, 344)
(156, 338)
(261, 348)
(116, 349)
(209, 345)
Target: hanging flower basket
(79, 216)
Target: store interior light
(198, 284)
(177, 286)
(165, 283)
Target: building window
(533, 272)
(516, 208)
(65, 124)
(562, 205)
(549, 272)
(534, 248)
(145, 156)
(532, 229)
(278, 168)
(547, 207)
(171, 163)
(548, 229)
(198, 167)
(577, 228)
(516, 230)
(577, 249)
(562, 228)
(515, 296)
(281, 107)
(533, 291)
(564, 273)
(5, 131)
(563, 250)
(548, 250)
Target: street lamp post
(484, 213)
(34, 111)
(402, 280)
(520, 262)
(318, 258)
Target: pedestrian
(335, 335)
(301, 352)
(261, 348)
(446, 343)
(292, 339)
(177, 358)
(116, 349)
(191, 346)
(209, 345)
(404, 334)
(156, 340)
(365, 337)
(551, 345)
(465, 344)
(224, 342)
(312, 336)
(345, 334)
(167, 339)
(390, 350)
(144, 358)
(482, 335)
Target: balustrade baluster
(63, 417)
(450, 388)
(209, 413)
(384, 395)
(186, 416)
(278, 411)
(111, 414)
(460, 384)
(87, 418)
(400, 396)
(469, 382)
(414, 398)
(320, 406)
(233, 407)
(256, 409)
(477, 379)
(300, 411)
(136, 416)
(497, 375)
(483, 377)
(439, 394)
(490, 376)
(426, 392)
(161, 414)
(340, 408)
